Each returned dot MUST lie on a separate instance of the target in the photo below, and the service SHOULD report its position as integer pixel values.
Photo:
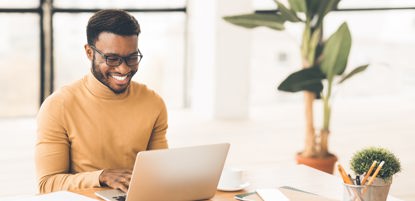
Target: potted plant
(365, 161)
(323, 64)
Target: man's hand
(116, 178)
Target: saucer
(233, 188)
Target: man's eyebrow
(115, 54)
(134, 53)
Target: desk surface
(296, 176)
(219, 196)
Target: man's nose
(123, 68)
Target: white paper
(60, 195)
(271, 194)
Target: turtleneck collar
(100, 90)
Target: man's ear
(89, 52)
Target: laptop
(188, 173)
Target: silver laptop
(189, 173)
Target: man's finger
(116, 177)
(124, 180)
(128, 177)
(122, 187)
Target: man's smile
(120, 79)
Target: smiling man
(89, 132)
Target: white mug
(231, 178)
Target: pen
(368, 172)
(357, 179)
(351, 179)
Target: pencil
(376, 173)
(347, 180)
(373, 176)
(368, 172)
(342, 172)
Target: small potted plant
(367, 162)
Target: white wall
(219, 59)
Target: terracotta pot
(325, 164)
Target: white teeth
(119, 78)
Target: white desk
(301, 177)
(296, 176)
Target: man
(90, 131)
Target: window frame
(46, 11)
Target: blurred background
(218, 80)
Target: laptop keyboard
(119, 198)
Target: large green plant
(322, 60)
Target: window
(25, 82)
(19, 4)
(387, 45)
(161, 41)
(130, 4)
(19, 56)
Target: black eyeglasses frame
(120, 58)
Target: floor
(272, 136)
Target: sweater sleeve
(52, 152)
(158, 136)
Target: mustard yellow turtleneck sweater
(85, 127)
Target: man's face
(116, 78)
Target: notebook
(291, 193)
(189, 173)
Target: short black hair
(113, 21)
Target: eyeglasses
(115, 60)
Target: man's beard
(101, 78)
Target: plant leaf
(336, 52)
(297, 5)
(288, 14)
(306, 43)
(354, 72)
(312, 8)
(272, 21)
(327, 6)
(324, 7)
(308, 79)
(315, 39)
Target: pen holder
(378, 191)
